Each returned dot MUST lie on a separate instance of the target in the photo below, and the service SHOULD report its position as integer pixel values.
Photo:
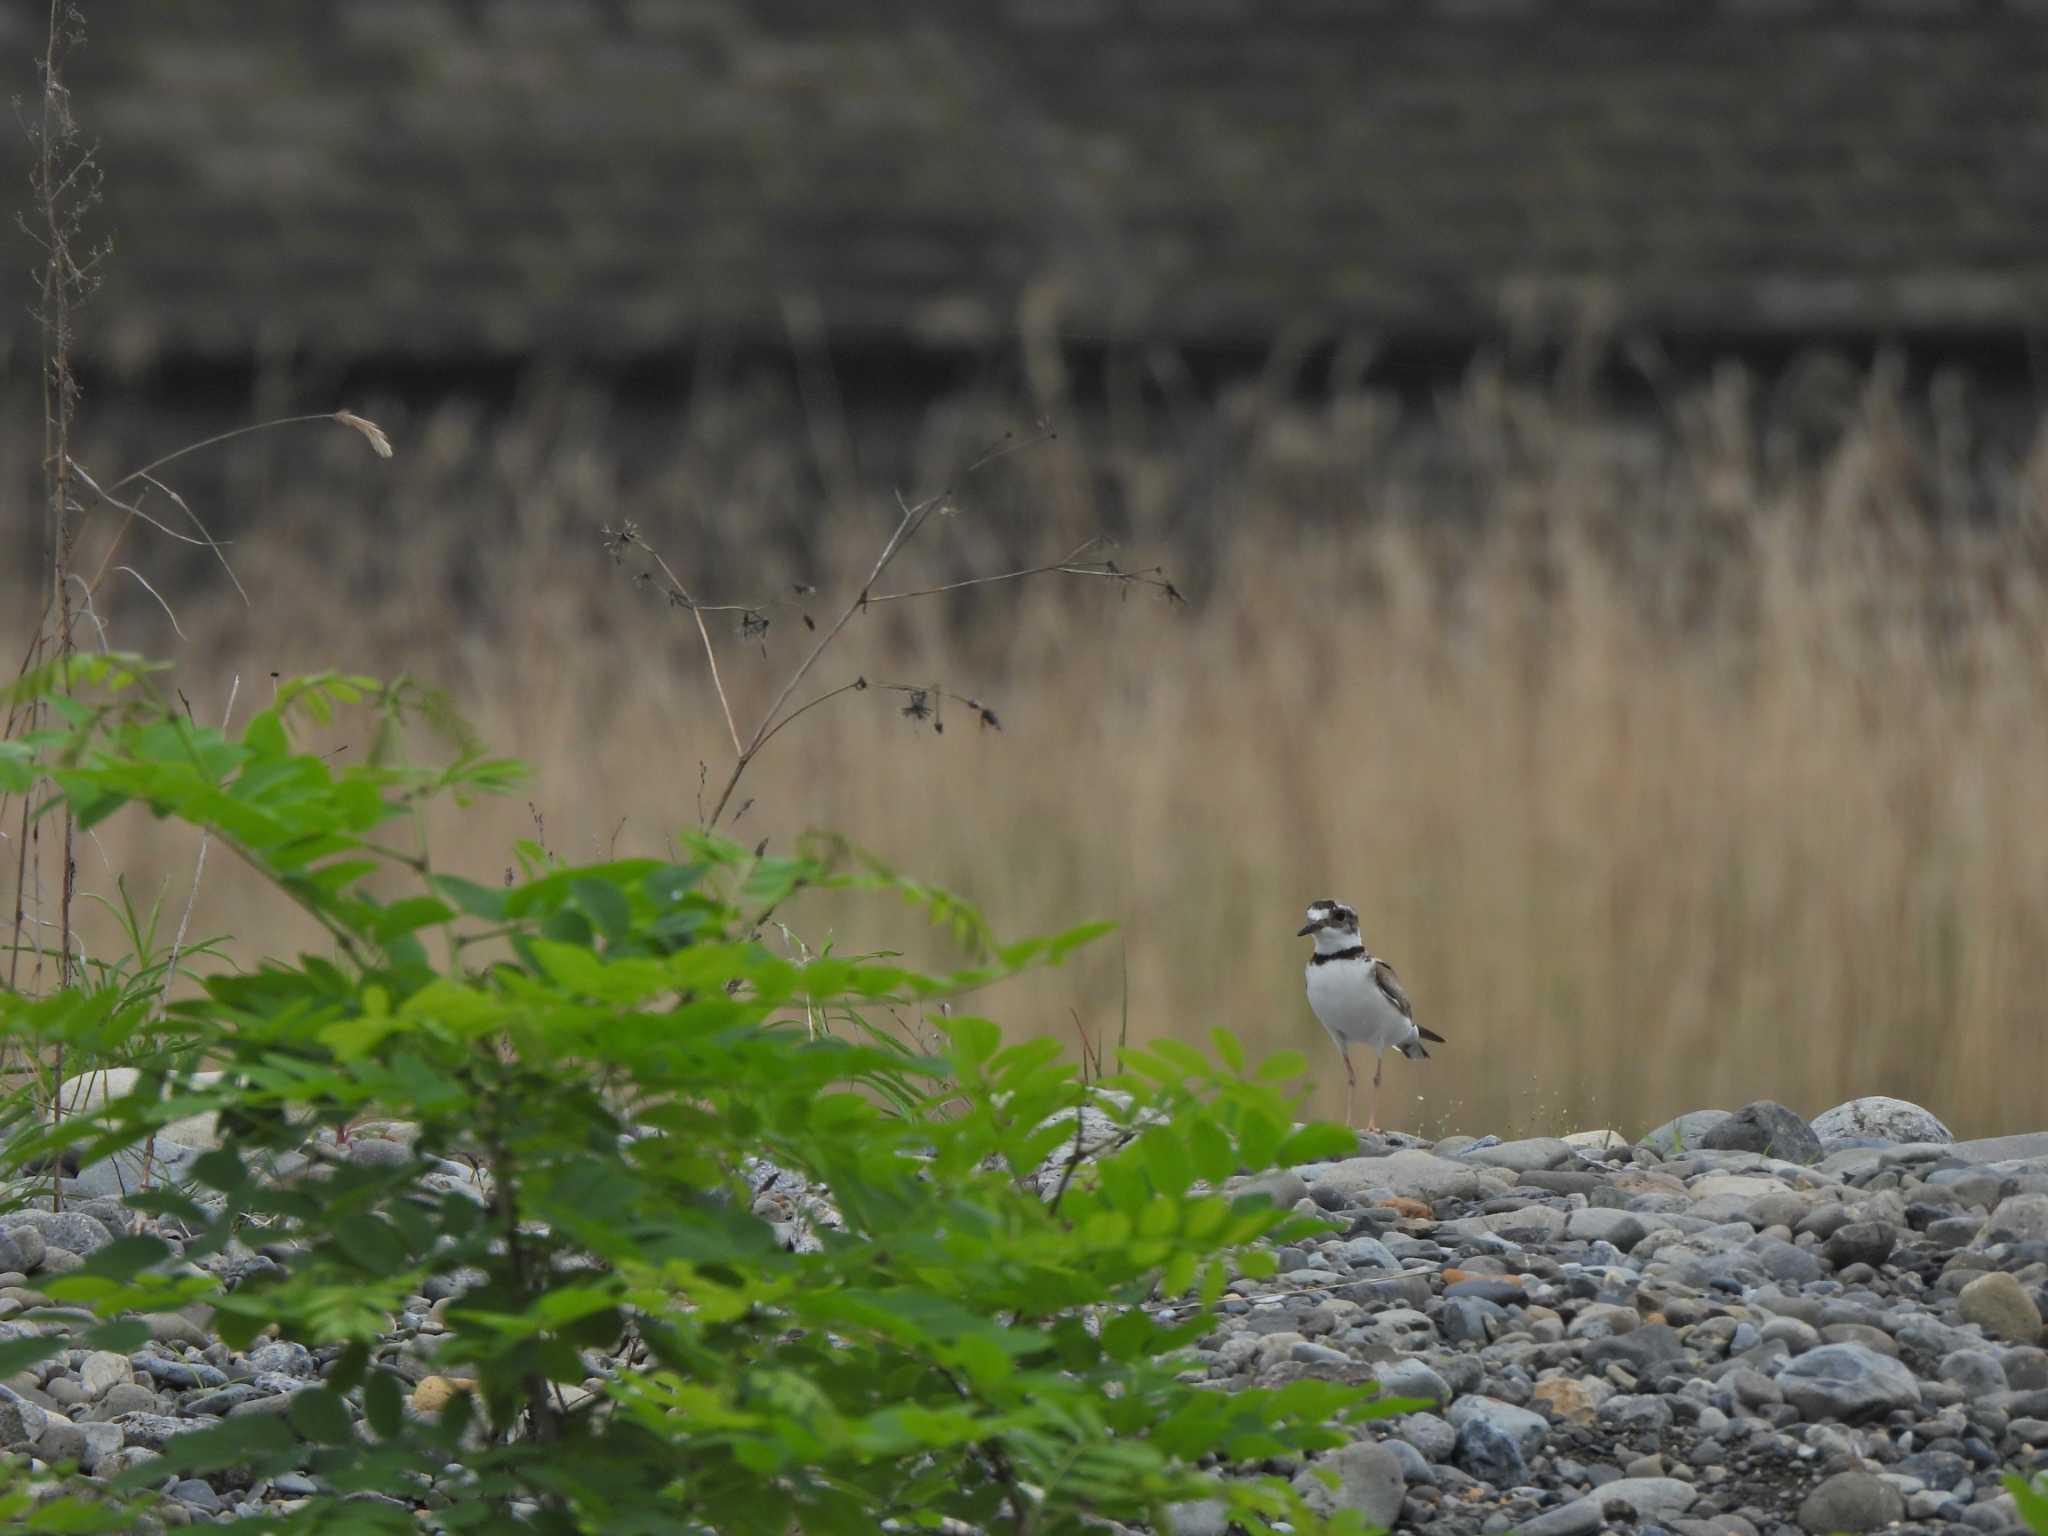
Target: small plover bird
(1357, 999)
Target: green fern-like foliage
(615, 1050)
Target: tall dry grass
(1676, 758)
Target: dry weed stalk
(65, 179)
(924, 700)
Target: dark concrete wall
(614, 178)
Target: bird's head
(1329, 920)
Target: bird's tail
(1413, 1049)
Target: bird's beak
(1306, 929)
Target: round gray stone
(1633, 1500)
(102, 1371)
(1603, 1224)
(1430, 1435)
(1881, 1119)
(125, 1397)
(70, 1230)
(21, 1421)
(195, 1493)
(1636, 1413)
(1976, 1371)
(1282, 1186)
(2001, 1306)
(1413, 1380)
(1860, 1242)
(1847, 1382)
(1525, 1427)
(1369, 1481)
(21, 1250)
(1198, 1517)
(1367, 1253)
(1532, 1155)
(1852, 1501)
(1418, 1175)
(153, 1431)
(1766, 1127)
(2025, 1216)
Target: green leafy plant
(727, 1256)
(2031, 1495)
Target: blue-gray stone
(1653, 1349)
(1367, 1253)
(183, 1375)
(1414, 1468)
(1488, 1452)
(1684, 1133)
(194, 1493)
(1526, 1427)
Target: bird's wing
(1390, 989)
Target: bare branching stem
(913, 519)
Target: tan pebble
(436, 1392)
(1570, 1398)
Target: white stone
(95, 1088)
(1595, 1141)
(2024, 1216)
(1740, 1185)
(1419, 1175)
(103, 1371)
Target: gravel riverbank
(1738, 1323)
(1692, 1333)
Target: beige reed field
(1677, 755)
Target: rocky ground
(1740, 1323)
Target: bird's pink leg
(1350, 1084)
(1372, 1119)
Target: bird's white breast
(1348, 1000)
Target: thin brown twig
(630, 535)
(371, 433)
(855, 686)
(1070, 565)
(134, 511)
(1153, 576)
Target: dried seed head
(372, 433)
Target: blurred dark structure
(476, 182)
